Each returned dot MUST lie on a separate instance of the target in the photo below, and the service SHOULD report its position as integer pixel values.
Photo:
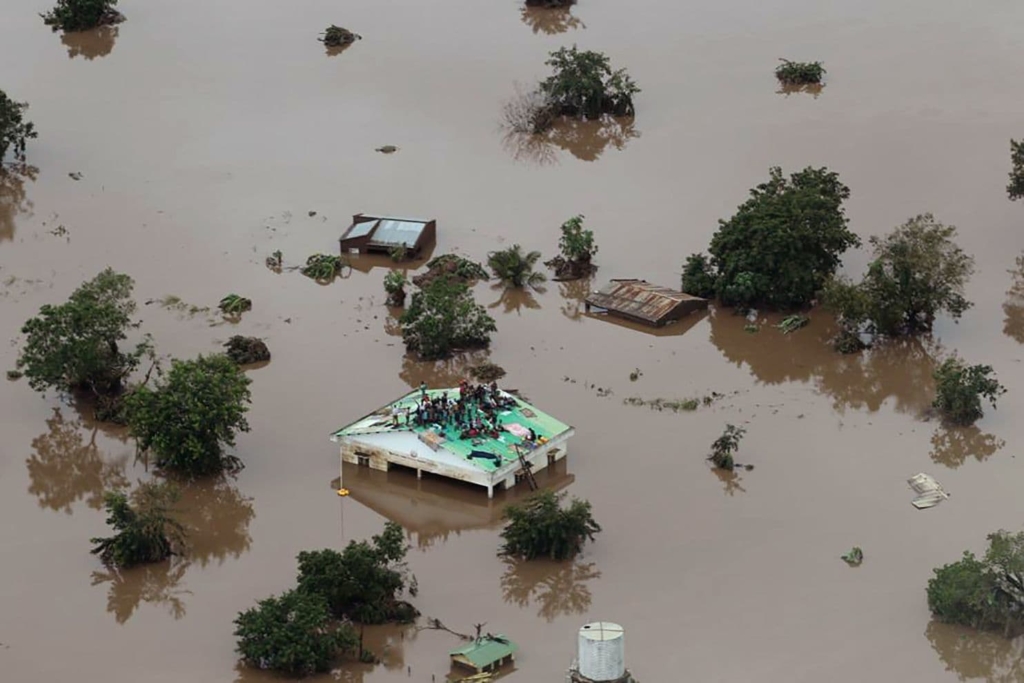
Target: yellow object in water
(342, 492)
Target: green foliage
(364, 581)
(145, 530)
(336, 36)
(584, 85)
(14, 129)
(984, 594)
(577, 247)
(74, 346)
(444, 317)
(246, 350)
(234, 305)
(799, 73)
(398, 253)
(293, 634)
(275, 261)
(1016, 187)
(323, 267)
(541, 527)
(80, 15)
(458, 267)
(792, 323)
(723, 447)
(959, 389)
(192, 415)
(394, 285)
(783, 243)
(698, 276)
(854, 558)
(514, 268)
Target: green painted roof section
(379, 422)
(485, 651)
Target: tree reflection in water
(13, 199)
(550, 20)
(65, 468)
(1013, 308)
(558, 588)
(155, 584)
(812, 89)
(446, 372)
(585, 140)
(730, 481)
(952, 445)
(97, 42)
(513, 299)
(976, 655)
(574, 292)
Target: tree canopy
(145, 530)
(1016, 187)
(959, 389)
(362, 582)
(74, 345)
(188, 419)
(292, 633)
(444, 317)
(780, 246)
(514, 268)
(986, 593)
(541, 527)
(583, 84)
(80, 15)
(14, 129)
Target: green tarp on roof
(486, 651)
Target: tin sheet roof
(486, 651)
(361, 229)
(639, 298)
(397, 232)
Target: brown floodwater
(206, 131)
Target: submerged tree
(81, 15)
(292, 633)
(584, 85)
(362, 582)
(14, 129)
(514, 268)
(74, 346)
(188, 419)
(1016, 187)
(983, 594)
(799, 73)
(723, 448)
(959, 389)
(781, 245)
(394, 284)
(444, 317)
(145, 530)
(541, 527)
(336, 36)
(247, 350)
(577, 247)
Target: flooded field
(206, 133)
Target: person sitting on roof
(533, 434)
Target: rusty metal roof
(640, 299)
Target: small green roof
(486, 650)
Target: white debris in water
(930, 492)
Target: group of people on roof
(471, 413)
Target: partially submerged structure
(485, 653)
(380, 234)
(600, 655)
(517, 441)
(642, 302)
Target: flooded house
(641, 302)
(494, 447)
(381, 235)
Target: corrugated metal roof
(360, 229)
(395, 232)
(486, 651)
(640, 299)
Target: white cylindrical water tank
(602, 654)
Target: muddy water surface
(205, 133)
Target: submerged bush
(323, 267)
(550, 3)
(246, 350)
(14, 129)
(799, 73)
(514, 268)
(336, 36)
(451, 266)
(145, 530)
(577, 247)
(444, 317)
(723, 448)
(584, 85)
(394, 285)
(81, 15)
(959, 389)
(1016, 187)
(234, 305)
(541, 527)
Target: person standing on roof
(423, 391)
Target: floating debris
(635, 375)
(487, 372)
(75, 175)
(274, 261)
(792, 323)
(336, 36)
(14, 375)
(687, 405)
(854, 558)
(387, 149)
(930, 492)
(323, 267)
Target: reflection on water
(1013, 308)
(13, 200)
(216, 517)
(730, 481)
(365, 263)
(556, 588)
(65, 467)
(446, 372)
(585, 140)
(812, 89)
(574, 292)
(97, 42)
(952, 446)
(515, 299)
(977, 656)
(156, 584)
(550, 21)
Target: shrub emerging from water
(145, 532)
(336, 36)
(959, 389)
(444, 317)
(451, 266)
(1016, 187)
(81, 15)
(799, 73)
(723, 448)
(292, 633)
(541, 527)
(247, 350)
(514, 268)
(986, 593)
(323, 267)
(698, 276)
(233, 305)
(584, 85)
(14, 129)
(189, 418)
(394, 285)
(780, 246)
(577, 249)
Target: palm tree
(514, 268)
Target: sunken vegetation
(542, 527)
(145, 532)
(323, 267)
(487, 372)
(453, 267)
(444, 317)
(514, 268)
(394, 284)
(247, 350)
(917, 272)
(233, 306)
(1016, 187)
(550, 4)
(364, 581)
(799, 73)
(986, 593)
(780, 246)
(75, 346)
(189, 418)
(14, 129)
(336, 36)
(577, 249)
(81, 15)
(959, 389)
(293, 634)
(723, 448)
